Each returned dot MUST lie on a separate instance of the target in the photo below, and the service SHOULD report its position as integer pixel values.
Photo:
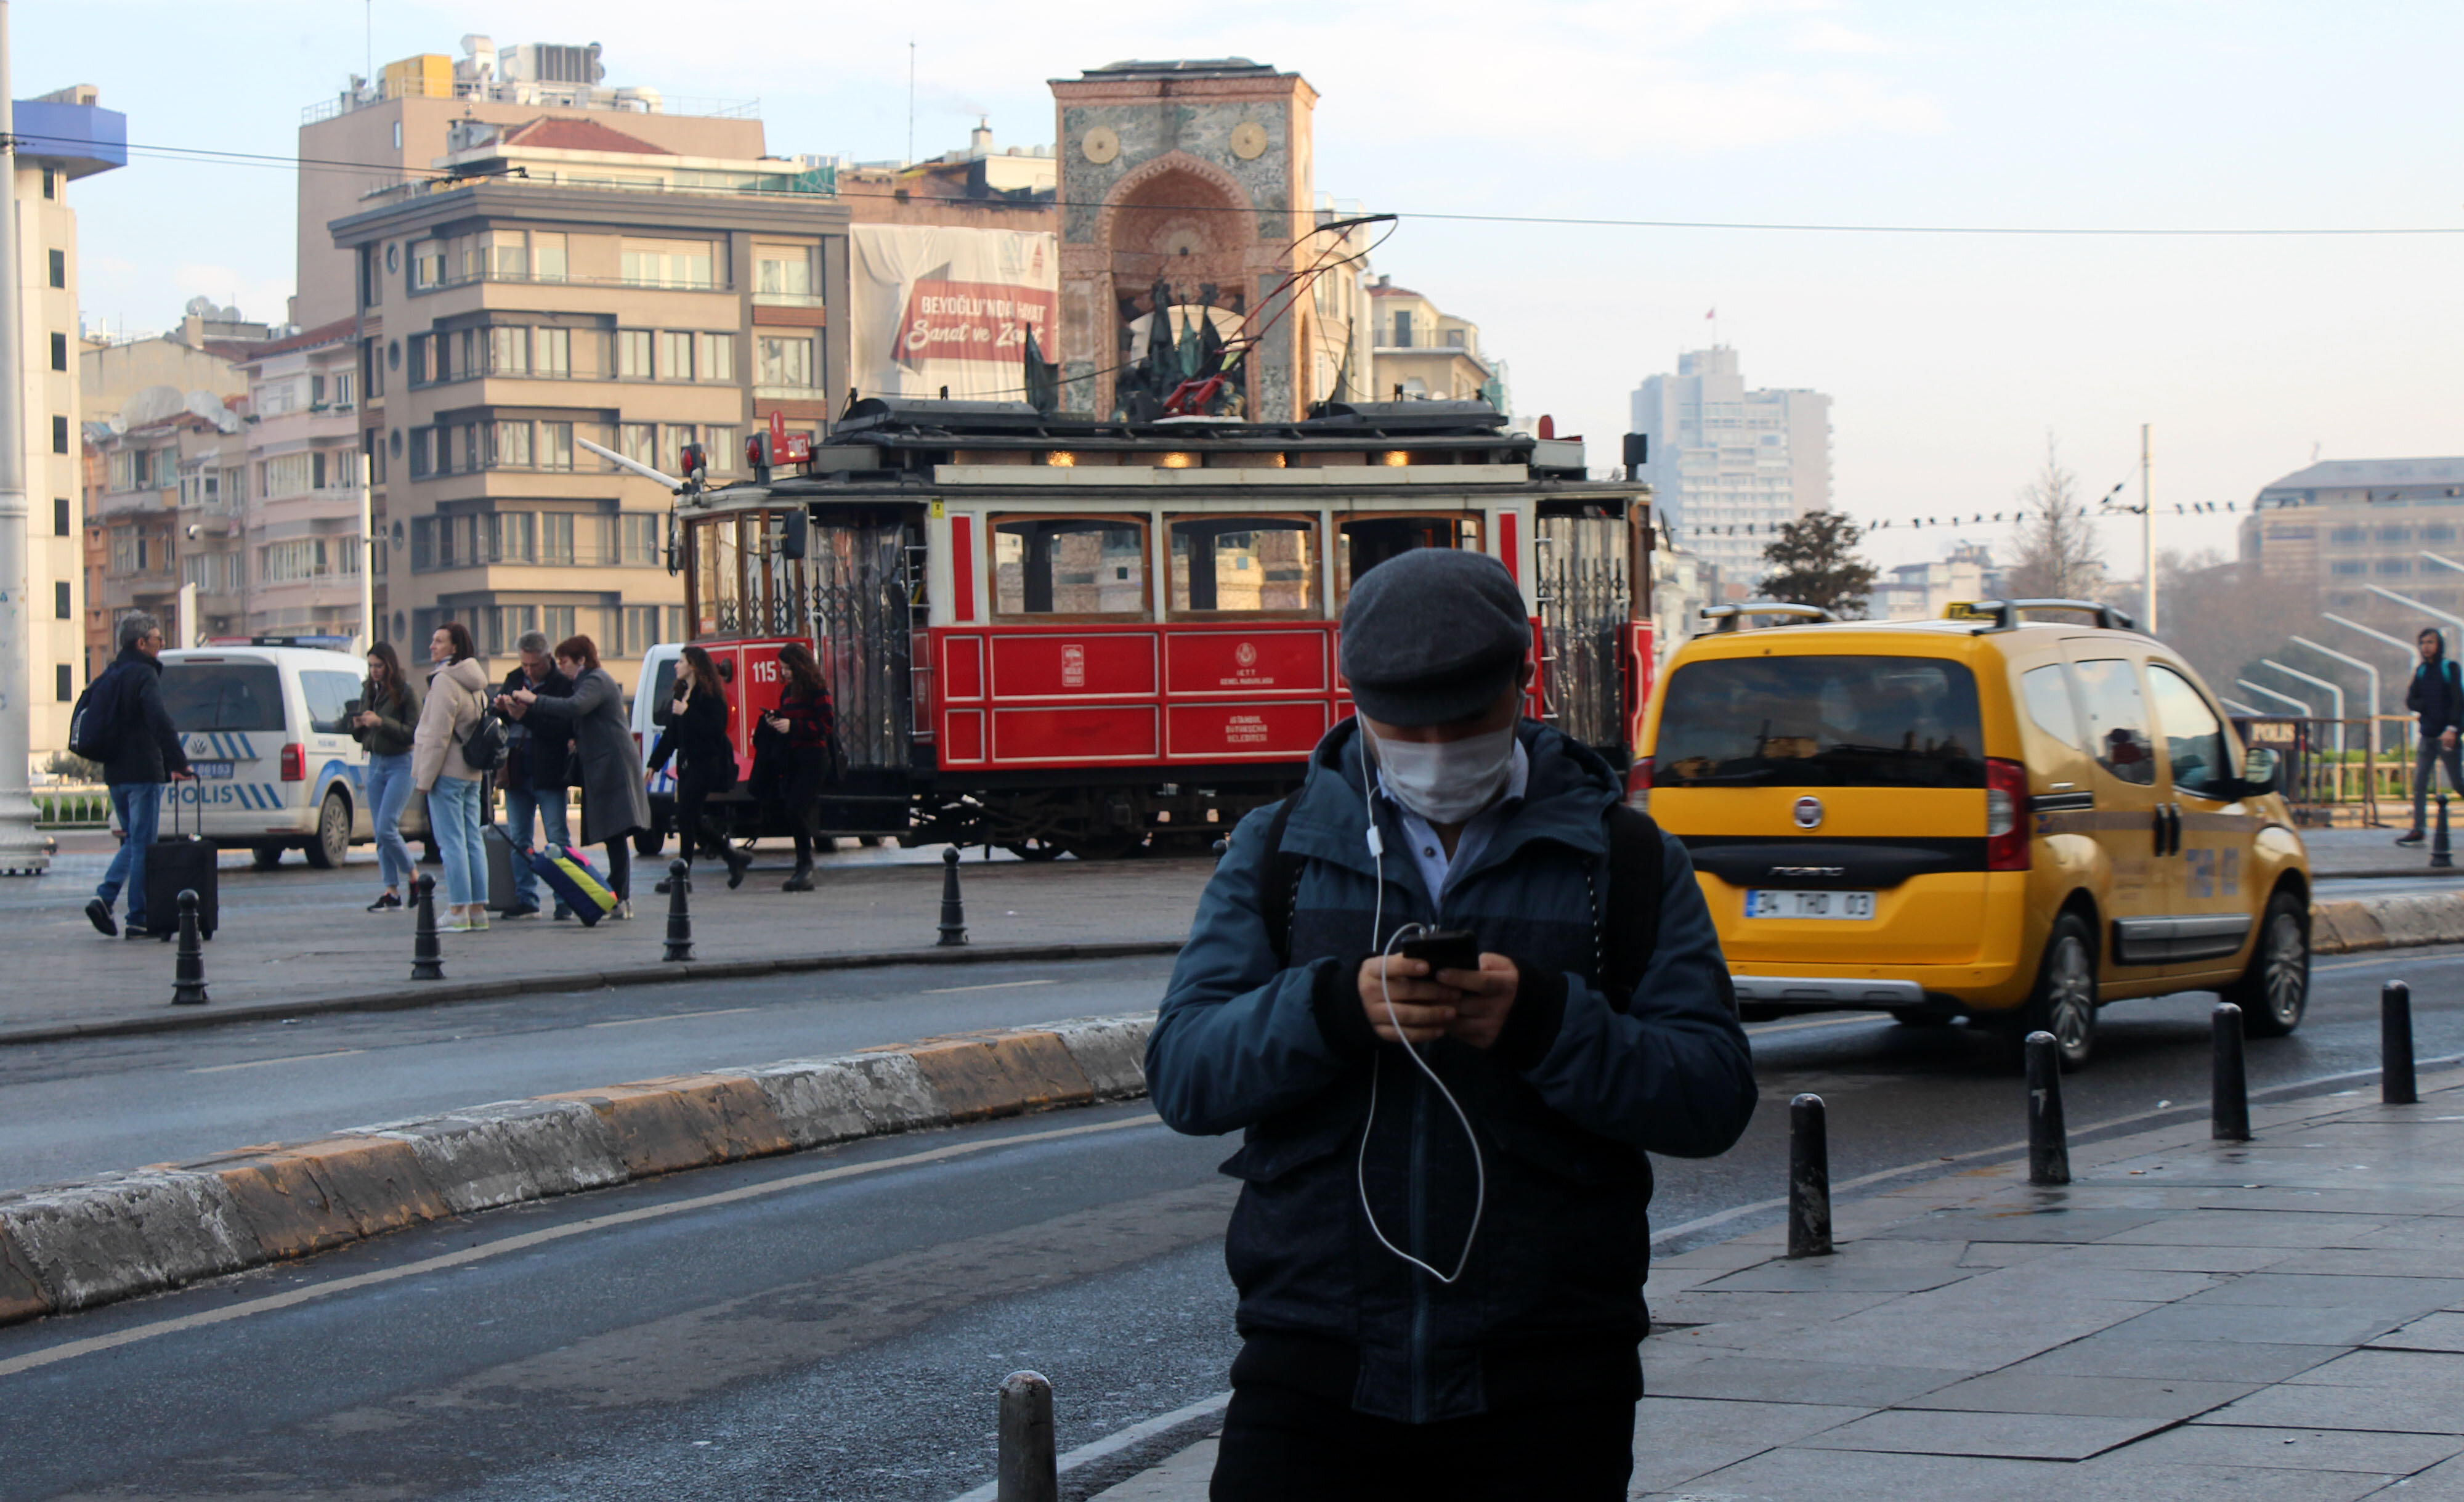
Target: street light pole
(2339, 694)
(2146, 528)
(2411, 604)
(21, 848)
(2261, 688)
(2352, 662)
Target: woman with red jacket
(803, 746)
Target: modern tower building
(1728, 465)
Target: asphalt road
(832, 1324)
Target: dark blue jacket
(144, 747)
(1577, 1088)
(2436, 694)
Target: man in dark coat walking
(146, 759)
(1442, 1238)
(2437, 700)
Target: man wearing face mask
(1442, 1237)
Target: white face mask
(1445, 782)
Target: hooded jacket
(2436, 695)
(456, 697)
(1580, 1085)
(145, 748)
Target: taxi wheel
(332, 845)
(2275, 992)
(2064, 1001)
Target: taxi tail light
(2006, 825)
(1638, 785)
(295, 763)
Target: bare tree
(2057, 554)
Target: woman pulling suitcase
(696, 736)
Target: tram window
(1069, 565)
(1362, 543)
(1244, 565)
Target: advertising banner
(936, 307)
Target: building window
(509, 351)
(427, 265)
(717, 356)
(289, 474)
(783, 271)
(514, 445)
(50, 183)
(672, 438)
(60, 435)
(556, 446)
(638, 442)
(512, 538)
(547, 256)
(60, 516)
(63, 684)
(2392, 566)
(507, 254)
(556, 544)
(423, 452)
(787, 363)
(60, 267)
(633, 354)
(675, 356)
(637, 629)
(665, 263)
(372, 453)
(371, 369)
(1069, 565)
(59, 351)
(418, 359)
(552, 352)
(60, 610)
(637, 538)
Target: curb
(410, 998)
(73, 1246)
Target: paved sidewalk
(297, 939)
(2280, 1320)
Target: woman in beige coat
(456, 695)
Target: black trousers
(1281, 1445)
(694, 829)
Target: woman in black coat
(696, 736)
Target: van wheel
(265, 856)
(332, 845)
(2064, 1003)
(2275, 992)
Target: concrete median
(72, 1247)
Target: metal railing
(59, 807)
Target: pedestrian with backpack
(2436, 698)
(1452, 992)
(449, 777)
(122, 723)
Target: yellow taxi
(1995, 816)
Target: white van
(276, 768)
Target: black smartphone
(1446, 949)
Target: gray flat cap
(1433, 634)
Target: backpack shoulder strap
(1279, 883)
(1630, 918)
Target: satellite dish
(201, 307)
(153, 404)
(209, 407)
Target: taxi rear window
(1820, 721)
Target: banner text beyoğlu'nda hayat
(938, 307)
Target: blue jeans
(140, 807)
(453, 814)
(520, 804)
(388, 793)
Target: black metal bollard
(189, 966)
(1029, 1469)
(2440, 856)
(2395, 1045)
(1809, 1178)
(427, 958)
(2049, 1143)
(953, 911)
(2230, 1112)
(679, 916)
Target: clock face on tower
(1248, 141)
(1099, 146)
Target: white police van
(265, 731)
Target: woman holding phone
(696, 736)
(388, 715)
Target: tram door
(862, 591)
(1586, 599)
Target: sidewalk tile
(2439, 1410)
(2006, 1436)
(1823, 1274)
(2441, 1332)
(2290, 1228)
(2394, 1262)
(2293, 1448)
(1918, 1331)
(1182, 1478)
(1796, 1474)
(1711, 1306)
(2125, 1257)
(2112, 1354)
(1679, 1438)
(2316, 1291)
(2016, 1225)
(2443, 1482)
(2116, 1478)
(2264, 1324)
(2394, 1371)
(1763, 1380)
(2021, 1390)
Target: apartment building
(297, 504)
(1425, 353)
(1729, 464)
(1924, 592)
(574, 283)
(62, 139)
(2348, 534)
(162, 512)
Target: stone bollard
(2230, 1108)
(2049, 1146)
(953, 912)
(1029, 1469)
(679, 914)
(427, 958)
(1809, 1179)
(2395, 1045)
(189, 966)
(2440, 855)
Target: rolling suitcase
(178, 863)
(501, 855)
(583, 890)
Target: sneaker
(521, 910)
(98, 913)
(622, 911)
(386, 902)
(136, 931)
(562, 912)
(2414, 838)
(478, 922)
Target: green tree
(1813, 561)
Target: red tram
(1055, 634)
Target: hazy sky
(1950, 359)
